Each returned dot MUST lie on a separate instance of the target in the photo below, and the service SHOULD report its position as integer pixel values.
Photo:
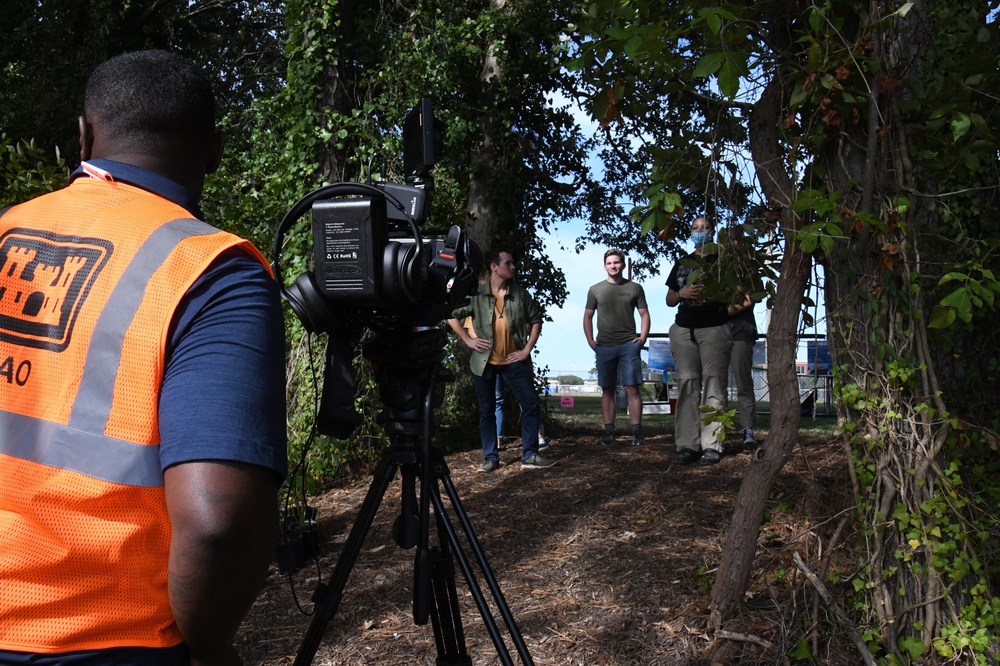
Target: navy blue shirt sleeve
(223, 392)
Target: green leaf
(714, 23)
(914, 646)
(960, 125)
(632, 46)
(802, 652)
(961, 302)
(729, 79)
(617, 32)
(709, 64)
(816, 20)
(650, 222)
(600, 106)
(941, 317)
(799, 95)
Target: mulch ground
(605, 559)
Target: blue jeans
(521, 381)
(623, 359)
(500, 399)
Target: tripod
(410, 377)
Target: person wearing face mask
(701, 341)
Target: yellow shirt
(503, 341)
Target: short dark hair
(149, 98)
(493, 256)
(619, 253)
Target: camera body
(359, 265)
(372, 268)
(370, 261)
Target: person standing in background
(701, 341)
(744, 328)
(617, 346)
(501, 401)
(506, 322)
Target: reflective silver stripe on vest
(81, 446)
(97, 456)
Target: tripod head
(407, 367)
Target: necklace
(500, 310)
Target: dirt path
(605, 559)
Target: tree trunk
(891, 408)
(481, 209)
(336, 93)
(733, 576)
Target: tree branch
(859, 642)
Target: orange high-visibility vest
(90, 277)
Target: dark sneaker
(710, 458)
(687, 456)
(490, 465)
(607, 438)
(638, 439)
(537, 462)
(542, 444)
(749, 441)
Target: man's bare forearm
(224, 530)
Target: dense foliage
(868, 127)
(858, 136)
(512, 164)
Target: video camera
(372, 268)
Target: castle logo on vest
(44, 281)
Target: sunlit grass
(584, 416)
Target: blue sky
(562, 345)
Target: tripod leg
(491, 581)
(474, 588)
(328, 597)
(446, 619)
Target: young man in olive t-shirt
(617, 346)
